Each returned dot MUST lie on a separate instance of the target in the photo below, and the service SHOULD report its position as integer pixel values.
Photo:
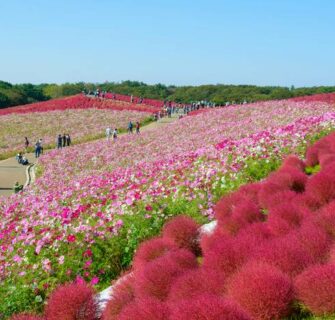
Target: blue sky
(182, 42)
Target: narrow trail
(11, 171)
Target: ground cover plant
(82, 125)
(89, 210)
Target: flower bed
(81, 102)
(82, 125)
(87, 213)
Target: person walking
(115, 134)
(68, 140)
(108, 133)
(137, 127)
(130, 127)
(26, 143)
(59, 142)
(64, 140)
(41, 144)
(37, 149)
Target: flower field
(271, 255)
(82, 125)
(90, 208)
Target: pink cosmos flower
(94, 281)
(71, 238)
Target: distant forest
(18, 94)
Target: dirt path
(11, 171)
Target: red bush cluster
(82, 102)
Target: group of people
(38, 148)
(131, 127)
(63, 141)
(114, 133)
(111, 133)
(21, 159)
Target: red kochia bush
(197, 282)
(320, 148)
(208, 307)
(72, 301)
(294, 162)
(145, 309)
(315, 288)
(314, 240)
(26, 316)
(151, 250)
(207, 241)
(321, 187)
(123, 294)
(270, 194)
(285, 216)
(155, 279)
(184, 232)
(286, 253)
(262, 290)
(326, 218)
(236, 211)
(290, 178)
(225, 256)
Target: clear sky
(263, 42)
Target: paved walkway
(11, 171)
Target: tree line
(19, 94)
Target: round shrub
(285, 253)
(184, 232)
(250, 191)
(294, 162)
(315, 240)
(321, 187)
(208, 241)
(225, 256)
(291, 213)
(156, 278)
(197, 282)
(122, 295)
(72, 302)
(145, 309)
(326, 219)
(250, 238)
(244, 213)
(262, 290)
(151, 250)
(327, 160)
(315, 287)
(271, 194)
(207, 307)
(290, 178)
